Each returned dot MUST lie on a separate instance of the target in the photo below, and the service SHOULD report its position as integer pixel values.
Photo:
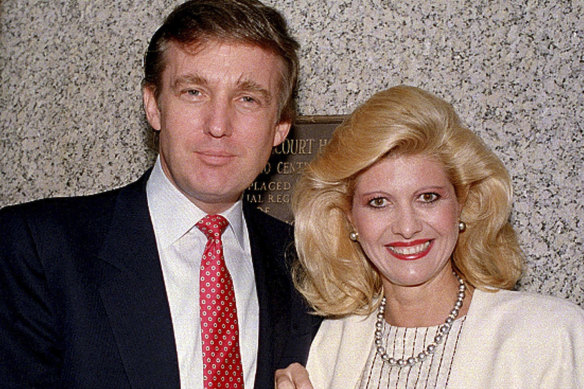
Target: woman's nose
(406, 223)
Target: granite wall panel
(71, 119)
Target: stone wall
(71, 119)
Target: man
(103, 291)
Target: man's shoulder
(261, 220)
(61, 206)
(269, 234)
(74, 210)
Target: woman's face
(406, 213)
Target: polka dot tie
(219, 329)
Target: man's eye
(248, 99)
(378, 202)
(429, 197)
(193, 92)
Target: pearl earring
(461, 226)
(354, 236)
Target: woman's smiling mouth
(409, 251)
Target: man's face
(217, 113)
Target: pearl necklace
(439, 338)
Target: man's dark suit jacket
(83, 302)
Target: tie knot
(212, 226)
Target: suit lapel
(267, 247)
(134, 296)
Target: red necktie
(219, 329)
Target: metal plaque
(272, 190)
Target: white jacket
(509, 340)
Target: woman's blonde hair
(332, 272)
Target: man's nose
(219, 119)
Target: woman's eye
(429, 197)
(378, 202)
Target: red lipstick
(409, 251)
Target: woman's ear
(349, 216)
(350, 224)
(461, 196)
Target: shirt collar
(234, 216)
(173, 214)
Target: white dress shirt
(180, 248)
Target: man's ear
(151, 107)
(282, 130)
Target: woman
(404, 245)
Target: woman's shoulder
(520, 298)
(520, 340)
(527, 308)
(348, 323)
(340, 350)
